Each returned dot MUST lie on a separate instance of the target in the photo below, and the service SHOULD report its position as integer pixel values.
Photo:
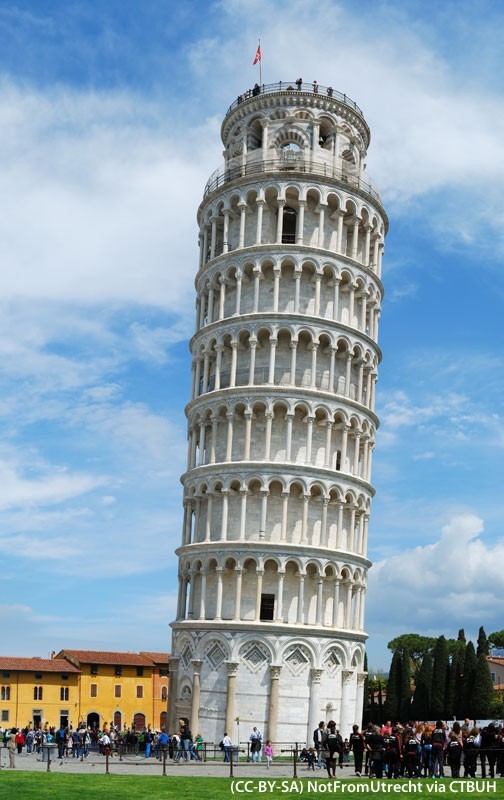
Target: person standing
(318, 738)
(357, 745)
(226, 744)
(11, 747)
(255, 745)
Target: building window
(139, 672)
(118, 690)
(5, 715)
(139, 691)
(64, 694)
(5, 674)
(94, 669)
(267, 607)
(64, 677)
(493, 676)
(118, 671)
(38, 676)
(37, 692)
(163, 673)
(93, 690)
(5, 692)
(164, 693)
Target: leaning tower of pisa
(281, 423)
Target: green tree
(461, 636)
(483, 692)
(496, 640)
(405, 686)
(416, 645)
(391, 705)
(439, 679)
(482, 648)
(420, 707)
(469, 674)
(454, 674)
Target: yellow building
(98, 688)
(35, 691)
(159, 687)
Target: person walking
(255, 745)
(318, 738)
(268, 753)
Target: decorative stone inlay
(332, 662)
(254, 656)
(215, 655)
(186, 656)
(297, 659)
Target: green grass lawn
(49, 786)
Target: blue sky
(110, 114)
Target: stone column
(260, 206)
(248, 433)
(218, 599)
(271, 370)
(359, 705)
(300, 608)
(238, 591)
(202, 610)
(285, 510)
(293, 347)
(279, 229)
(267, 435)
(172, 693)
(275, 672)
(196, 693)
(238, 292)
(279, 603)
(252, 350)
(264, 512)
(229, 437)
(347, 714)
(288, 444)
(300, 222)
(276, 289)
(336, 299)
(335, 604)
(243, 213)
(232, 669)
(224, 522)
(243, 513)
(314, 703)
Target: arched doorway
(163, 719)
(118, 720)
(93, 721)
(139, 722)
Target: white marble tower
(281, 423)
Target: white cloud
(450, 584)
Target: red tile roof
(104, 657)
(496, 660)
(36, 664)
(157, 658)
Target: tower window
(267, 607)
(289, 225)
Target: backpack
(221, 745)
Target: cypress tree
(391, 705)
(461, 636)
(366, 692)
(483, 692)
(483, 647)
(420, 708)
(405, 686)
(470, 662)
(439, 675)
(451, 690)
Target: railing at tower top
(292, 162)
(294, 87)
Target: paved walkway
(139, 765)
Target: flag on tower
(257, 55)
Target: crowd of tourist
(413, 750)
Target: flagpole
(260, 65)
